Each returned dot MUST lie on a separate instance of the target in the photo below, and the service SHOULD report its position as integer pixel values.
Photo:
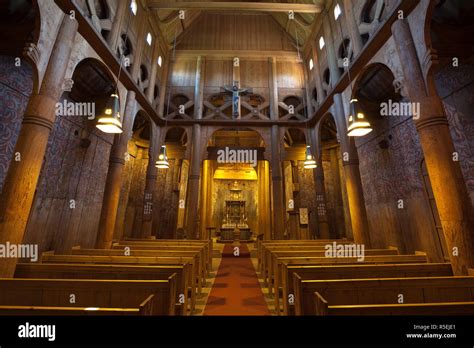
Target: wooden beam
(235, 6)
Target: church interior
(236, 158)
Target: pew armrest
(320, 304)
(146, 307)
(297, 287)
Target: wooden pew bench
(171, 251)
(446, 308)
(273, 263)
(359, 271)
(124, 272)
(207, 244)
(381, 291)
(90, 293)
(199, 261)
(267, 246)
(145, 308)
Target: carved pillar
(330, 51)
(352, 26)
(115, 31)
(355, 193)
(199, 88)
(317, 73)
(318, 175)
(113, 182)
(192, 210)
(137, 59)
(150, 94)
(151, 174)
(166, 68)
(22, 177)
(277, 175)
(449, 189)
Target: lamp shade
(358, 124)
(109, 121)
(309, 162)
(162, 162)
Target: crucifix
(236, 92)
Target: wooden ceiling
(306, 14)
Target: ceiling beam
(234, 6)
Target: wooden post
(277, 175)
(166, 68)
(352, 27)
(449, 189)
(115, 31)
(137, 59)
(113, 182)
(193, 185)
(154, 69)
(317, 74)
(22, 178)
(150, 183)
(318, 175)
(355, 193)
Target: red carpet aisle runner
(236, 290)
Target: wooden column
(317, 73)
(353, 28)
(154, 69)
(318, 175)
(141, 41)
(330, 51)
(192, 211)
(23, 175)
(113, 182)
(199, 88)
(150, 183)
(333, 156)
(166, 68)
(449, 189)
(206, 198)
(115, 31)
(277, 175)
(355, 193)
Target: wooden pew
(445, 308)
(89, 293)
(49, 257)
(145, 308)
(199, 262)
(208, 244)
(124, 272)
(273, 264)
(309, 260)
(267, 246)
(359, 271)
(381, 291)
(203, 265)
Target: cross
(236, 91)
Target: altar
(234, 225)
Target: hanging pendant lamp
(162, 162)
(358, 124)
(109, 121)
(309, 162)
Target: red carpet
(236, 290)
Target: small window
(337, 11)
(134, 7)
(321, 43)
(311, 64)
(160, 60)
(149, 39)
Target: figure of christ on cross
(236, 92)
